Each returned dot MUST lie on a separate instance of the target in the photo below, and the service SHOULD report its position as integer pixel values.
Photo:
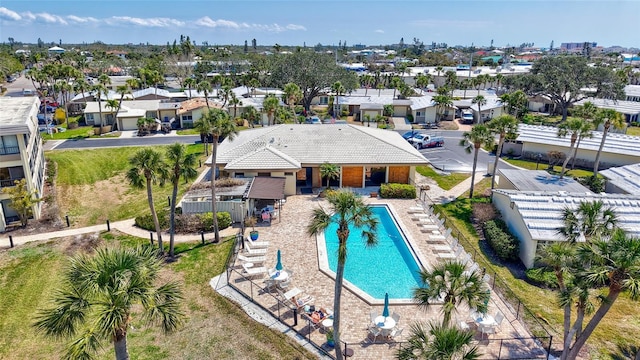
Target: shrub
(397, 191)
(239, 121)
(503, 244)
(542, 277)
(146, 221)
(594, 183)
(410, 118)
(483, 212)
(224, 220)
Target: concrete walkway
(399, 123)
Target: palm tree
(203, 126)
(516, 103)
(396, 82)
(330, 172)
(133, 83)
(473, 140)
(441, 102)
(270, 105)
(607, 118)
(182, 166)
(367, 81)
(235, 102)
(440, 342)
(80, 85)
(506, 126)
(590, 220)
(614, 264)
(422, 81)
(292, 94)
(338, 89)
(573, 127)
(99, 90)
(190, 83)
(251, 115)
(450, 284)
(253, 84)
(205, 87)
(96, 300)
(222, 126)
(438, 70)
(147, 169)
(349, 212)
(480, 101)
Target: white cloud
(296, 27)
(81, 20)
(7, 14)
(221, 23)
(28, 16)
(379, 31)
(145, 22)
(52, 19)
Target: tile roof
(257, 159)
(632, 90)
(615, 143)
(316, 144)
(540, 180)
(196, 103)
(626, 177)
(621, 106)
(542, 211)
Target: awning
(267, 188)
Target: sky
(300, 22)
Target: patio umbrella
(279, 264)
(385, 311)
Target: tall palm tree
(350, 213)
(588, 112)
(338, 89)
(367, 81)
(182, 165)
(480, 101)
(396, 82)
(148, 169)
(458, 287)
(506, 126)
(438, 70)
(133, 83)
(235, 102)
(203, 126)
(99, 90)
(573, 127)
(190, 83)
(222, 127)
(80, 85)
(270, 104)
(330, 172)
(251, 115)
(253, 84)
(614, 264)
(590, 220)
(97, 297)
(292, 94)
(441, 102)
(440, 342)
(607, 118)
(205, 87)
(473, 140)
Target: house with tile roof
(622, 179)
(366, 156)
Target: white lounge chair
(449, 255)
(259, 244)
(254, 251)
(441, 247)
(415, 209)
(254, 271)
(252, 259)
(295, 297)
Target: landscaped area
(445, 181)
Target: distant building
(56, 50)
(21, 154)
(578, 47)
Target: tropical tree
(349, 212)
(614, 264)
(450, 285)
(182, 165)
(590, 220)
(148, 169)
(292, 94)
(506, 127)
(367, 82)
(97, 297)
(422, 81)
(204, 86)
(573, 128)
(337, 89)
(441, 102)
(222, 127)
(22, 200)
(251, 115)
(113, 105)
(607, 118)
(270, 104)
(99, 90)
(439, 342)
(235, 102)
(587, 112)
(330, 172)
(81, 86)
(480, 101)
(473, 140)
(190, 83)
(203, 127)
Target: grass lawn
(446, 182)
(617, 330)
(188, 132)
(531, 165)
(215, 328)
(92, 186)
(633, 130)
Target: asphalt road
(115, 142)
(15, 88)
(453, 158)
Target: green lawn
(92, 188)
(531, 165)
(633, 130)
(616, 331)
(214, 328)
(446, 182)
(188, 132)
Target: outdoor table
(386, 324)
(327, 323)
(278, 275)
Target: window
(239, 175)
(324, 100)
(88, 117)
(9, 174)
(9, 145)
(288, 174)
(264, 174)
(187, 117)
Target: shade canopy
(385, 311)
(279, 264)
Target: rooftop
(18, 115)
(621, 106)
(626, 177)
(632, 90)
(542, 211)
(540, 180)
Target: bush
(239, 121)
(146, 221)
(397, 191)
(594, 183)
(503, 244)
(410, 118)
(224, 221)
(542, 277)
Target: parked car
(467, 117)
(420, 141)
(28, 92)
(409, 134)
(313, 120)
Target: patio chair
(254, 271)
(258, 244)
(395, 316)
(373, 333)
(395, 333)
(498, 318)
(415, 209)
(252, 259)
(253, 251)
(295, 297)
(373, 315)
(487, 329)
(266, 217)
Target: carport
(264, 192)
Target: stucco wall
(584, 157)
(517, 227)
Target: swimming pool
(389, 267)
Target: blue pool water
(387, 267)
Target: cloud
(80, 20)
(145, 22)
(7, 14)
(52, 19)
(221, 23)
(379, 31)
(295, 27)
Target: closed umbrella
(279, 264)
(385, 311)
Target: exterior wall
(486, 115)
(398, 174)
(316, 179)
(237, 209)
(289, 181)
(400, 110)
(613, 189)
(152, 97)
(427, 115)
(352, 176)
(169, 114)
(504, 183)
(584, 157)
(517, 227)
(371, 113)
(127, 123)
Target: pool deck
(300, 254)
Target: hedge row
(185, 223)
(503, 244)
(397, 191)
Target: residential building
(630, 109)
(632, 93)
(623, 179)
(21, 154)
(578, 47)
(537, 180)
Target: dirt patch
(86, 243)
